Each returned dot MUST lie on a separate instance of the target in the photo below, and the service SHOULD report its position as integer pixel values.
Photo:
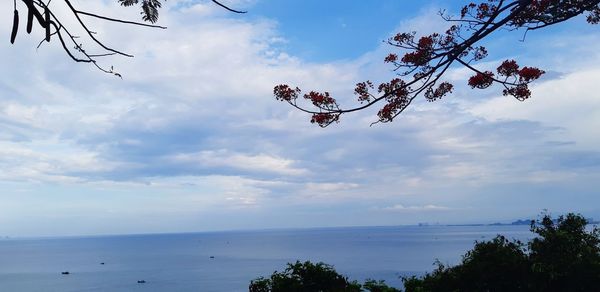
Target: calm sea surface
(182, 262)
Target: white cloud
(50, 161)
(223, 158)
(329, 187)
(571, 103)
(399, 208)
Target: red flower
(395, 88)
(320, 99)
(483, 10)
(391, 109)
(391, 58)
(528, 74)
(443, 89)
(520, 92)
(324, 119)
(416, 58)
(481, 80)
(285, 93)
(425, 43)
(508, 68)
(362, 90)
(403, 37)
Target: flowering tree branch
(424, 61)
(41, 12)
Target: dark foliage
(378, 286)
(306, 277)
(564, 256)
(496, 265)
(149, 8)
(309, 277)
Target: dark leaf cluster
(564, 256)
(306, 277)
(149, 8)
(310, 277)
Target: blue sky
(192, 139)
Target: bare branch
(45, 17)
(227, 8)
(119, 20)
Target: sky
(192, 139)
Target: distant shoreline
(591, 221)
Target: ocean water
(182, 262)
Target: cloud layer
(192, 139)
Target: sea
(229, 260)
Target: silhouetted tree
(378, 286)
(496, 265)
(309, 277)
(423, 61)
(43, 14)
(564, 256)
(304, 277)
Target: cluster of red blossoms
(324, 119)
(481, 80)
(427, 48)
(481, 11)
(541, 13)
(395, 88)
(322, 100)
(396, 93)
(391, 58)
(528, 74)
(390, 110)
(435, 94)
(520, 92)
(284, 92)
(517, 87)
(422, 54)
(508, 68)
(537, 13)
(362, 91)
